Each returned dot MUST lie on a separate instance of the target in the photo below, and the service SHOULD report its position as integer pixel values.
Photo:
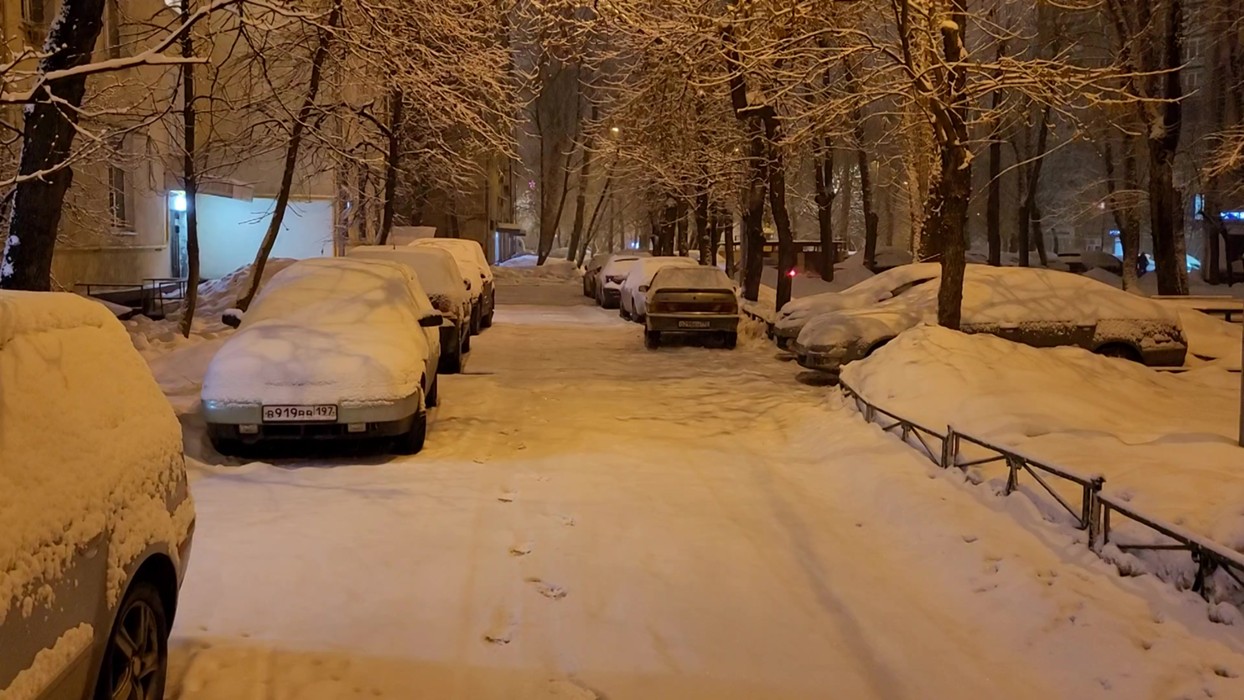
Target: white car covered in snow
(634, 290)
(331, 349)
(1042, 308)
(475, 269)
(95, 516)
(441, 279)
(611, 276)
(876, 289)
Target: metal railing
(1096, 506)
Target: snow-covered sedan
(591, 273)
(691, 300)
(331, 349)
(474, 266)
(634, 290)
(1042, 308)
(441, 279)
(95, 516)
(611, 276)
(876, 289)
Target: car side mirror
(232, 318)
(431, 321)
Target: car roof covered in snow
(328, 330)
(87, 441)
(436, 269)
(869, 291)
(646, 268)
(468, 253)
(699, 277)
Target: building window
(120, 188)
(34, 11)
(112, 18)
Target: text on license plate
(693, 324)
(299, 414)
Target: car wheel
(1121, 351)
(135, 662)
(623, 313)
(412, 442)
(451, 364)
(486, 322)
(652, 339)
(475, 321)
(433, 398)
(730, 340)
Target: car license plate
(300, 414)
(693, 324)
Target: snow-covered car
(634, 290)
(474, 265)
(591, 272)
(699, 300)
(331, 349)
(95, 516)
(611, 276)
(887, 285)
(441, 279)
(1037, 307)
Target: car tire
(1122, 351)
(433, 397)
(730, 340)
(623, 313)
(486, 321)
(652, 339)
(412, 442)
(475, 320)
(452, 364)
(142, 625)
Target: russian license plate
(693, 324)
(300, 414)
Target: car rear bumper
(692, 323)
(379, 419)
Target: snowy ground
(591, 520)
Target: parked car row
(352, 348)
(668, 294)
(1038, 307)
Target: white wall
(230, 231)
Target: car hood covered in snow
(324, 331)
(991, 297)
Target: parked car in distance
(887, 285)
(474, 264)
(634, 292)
(698, 300)
(442, 281)
(331, 349)
(96, 520)
(591, 273)
(610, 278)
(1042, 308)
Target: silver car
(95, 517)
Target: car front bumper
(828, 360)
(378, 419)
(692, 323)
(612, 297)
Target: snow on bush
(326, 330)
(88, 444)
(1165, 441)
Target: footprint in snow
(507, 497)
(501, 628)
(551, 591)
(569, 690)
(521, 549)
(567, 520)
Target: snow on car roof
(467, 252)
(87, 441)
(436, 268)
(619, 265)
(325, 331)
(645, 269)
(699, 277)
(867, 291)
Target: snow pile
(523, 270)
(1166, 442)
(220, 295)
(325, 331)
(88, 444)
(1211, 340)
(521, 261)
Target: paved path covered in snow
(593, 520)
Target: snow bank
(1211, 340)
(220, 295)
(524, 270)
(1164, 441)
(324, 331)
(87, 443)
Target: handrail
(1095, 509)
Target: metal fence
(1092, 514)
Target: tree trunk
(866, 202)
(754, 215)
(955, 184)
(580, 203)
(727, 241)
(823, 170)
(993, 207)
(845, 195)
(323, 41)
(682, 225)
(1125, 218)
(392, 163)
(601, 201)
(48, 132)
(702, 228)
(1166, 211)
(190, 176)
(777, 204)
